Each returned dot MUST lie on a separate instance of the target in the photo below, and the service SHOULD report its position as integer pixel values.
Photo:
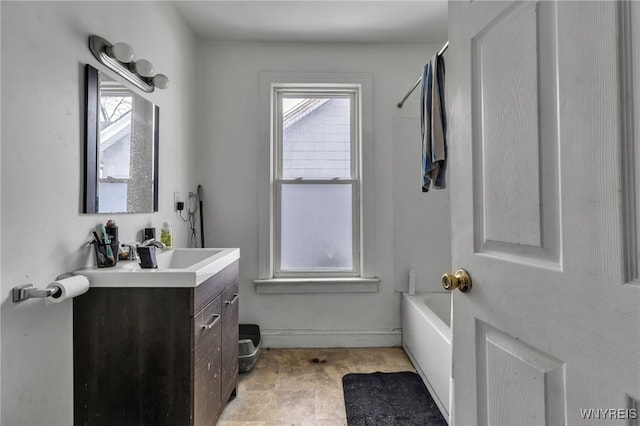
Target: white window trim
(353, 93)
(266, 282)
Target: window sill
(316, 285)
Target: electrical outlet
(176, 199)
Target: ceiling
(361, 21)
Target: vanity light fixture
(120, 58)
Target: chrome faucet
(133, 247)
(133, 254)
(153, 242)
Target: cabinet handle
(213, 323)
(232, 301)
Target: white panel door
(545, 166)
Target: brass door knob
(461, 280)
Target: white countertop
(180, 267)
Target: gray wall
(44, 49)
(229, 163)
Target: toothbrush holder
(104, 259)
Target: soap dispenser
(166, 234)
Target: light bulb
(144, 68)
(161, 81)
(122, 52)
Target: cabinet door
(132, 357)
(207, 361)
(230, 338)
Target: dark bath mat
(389, 399)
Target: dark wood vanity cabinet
(156, 356)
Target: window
(316, 185)
(115, 111)
(313, 230)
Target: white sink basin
(181, 267)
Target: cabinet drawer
(208, 290)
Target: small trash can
(248, 347)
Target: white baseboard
(279, 338)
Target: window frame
(353, 93)
(266, 281)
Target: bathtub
(426, 338)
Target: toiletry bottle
(166, 234)
(149, 233)
(412, 281)
(112, 230)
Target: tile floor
(304, 386)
